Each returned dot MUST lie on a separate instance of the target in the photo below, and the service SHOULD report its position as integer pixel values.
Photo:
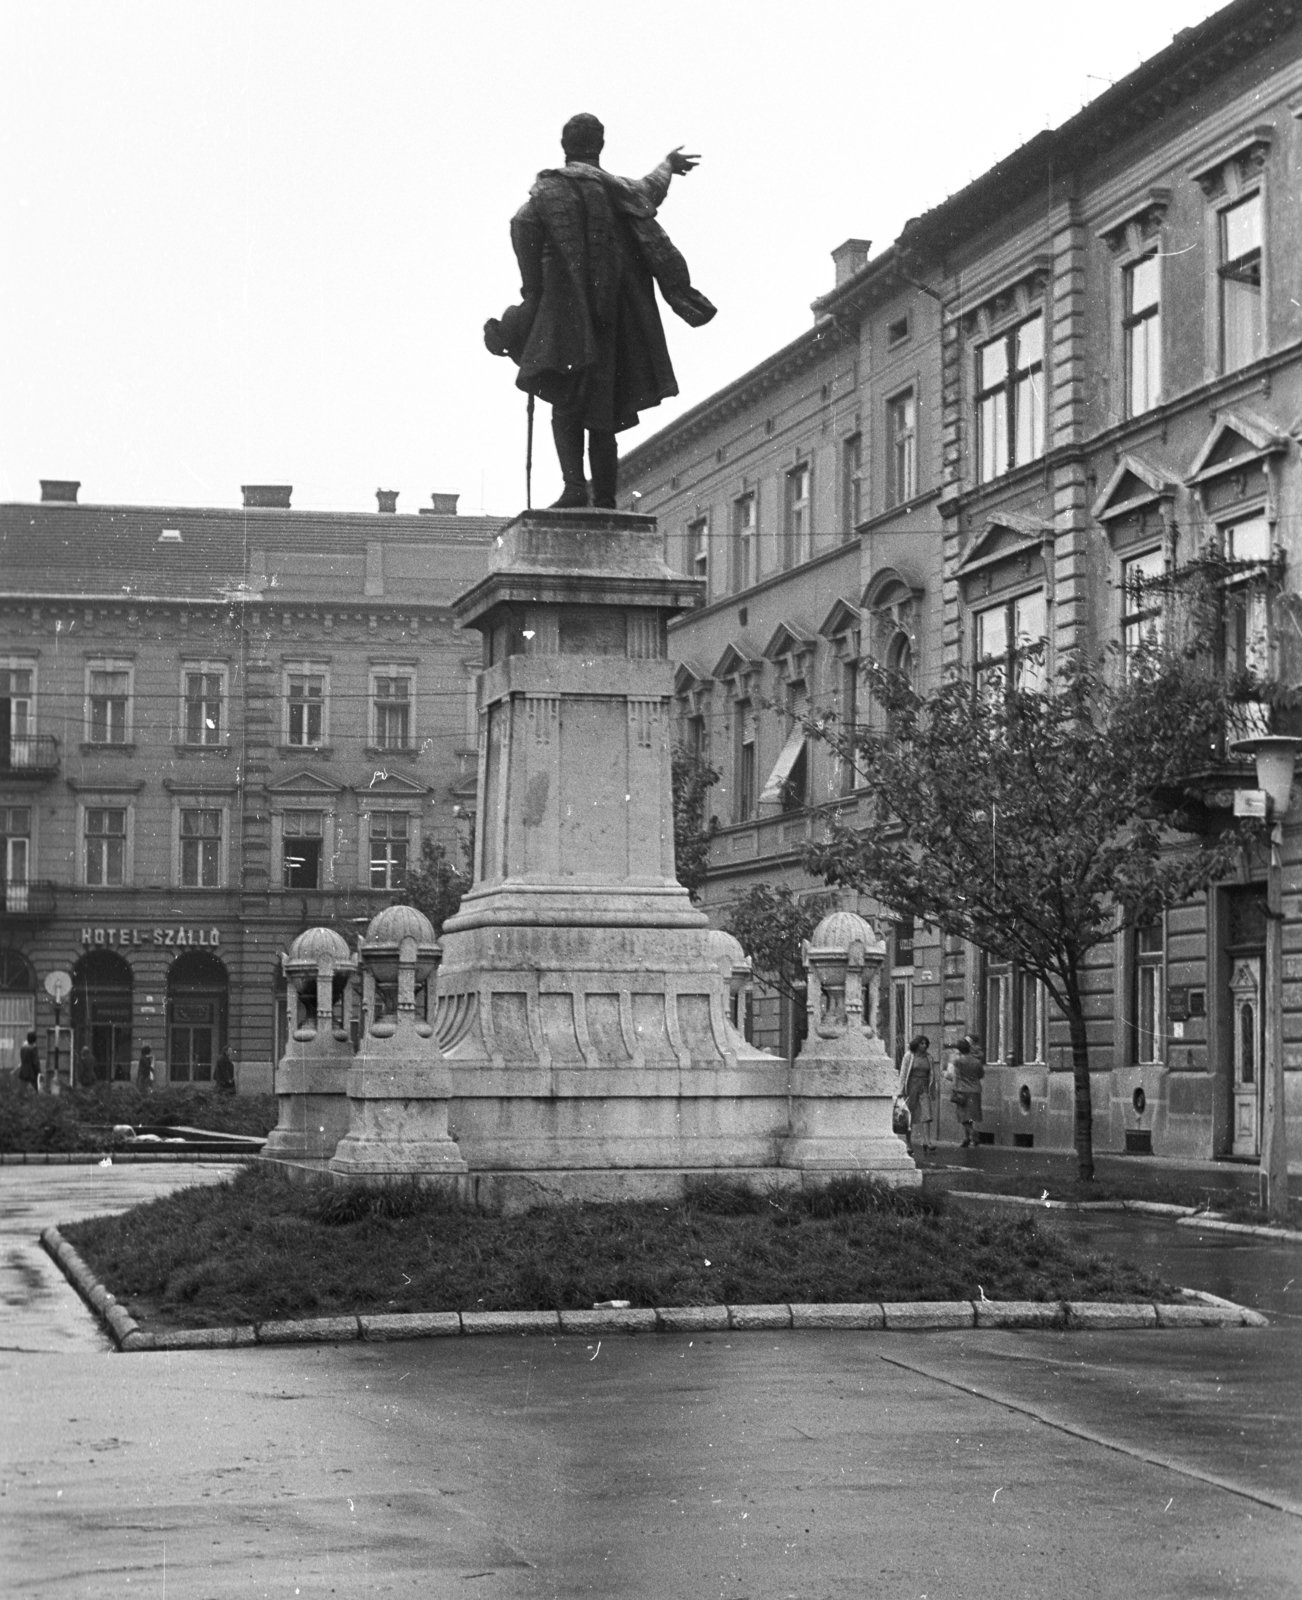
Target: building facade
(219, 727)
(1079, 372)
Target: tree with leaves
(436, 885)
(1030, 819)
(692, 778)
(771, 925)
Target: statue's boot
(567, 435)
(603, 457)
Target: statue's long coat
(590, 253)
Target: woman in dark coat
(968, 1073)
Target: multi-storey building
(1082, 369)
(217, 727)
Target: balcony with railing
(25, 899)
(29, 755)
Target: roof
(58, 550)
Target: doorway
(197, 994)
(17, 1006)
(102, 983)
(1245, 950)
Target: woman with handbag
(917, 1082)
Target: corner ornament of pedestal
(398, 1086)
(312, 1074)
(843, 1081)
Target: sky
(255, 241)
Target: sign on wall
(207, 937)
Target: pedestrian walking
(145, 1069)
(916, 1089)
(29, 1062)
(968, 1071)
(224, 1073)
(87, 1077)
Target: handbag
(900, 1119)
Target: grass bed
(77, 1119)
(261, 1247)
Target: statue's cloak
(590, 253)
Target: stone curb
(1184, 1216)
(916, 1316)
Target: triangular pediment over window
(690, 678)
(1003, 538)
(789, 639)
(735, 663)
(843, 618)
(391, 784)
(1237, 439)
(305, 783)
(1133, 485)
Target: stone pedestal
(583, 1000)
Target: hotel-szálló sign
(184, 937)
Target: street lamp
(1274, 754)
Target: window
(17, 716)
(302, 833)
(744, 566)
(201, 848)
(698, 548)
(1141, 612)
(306, 707)
(1010, 399)
(797, 523)
(902, 435)
(389, 835)
(851, 486)
(897, 332)
(15, 855)
(204, 689)
(392, 703)
(1246, 612)
(849, 720)
(745, 761)
(1011, 645)
(108, 704)
(1016, 1015)
(106, 846)
(1240, 283)
(1146, 993)
(1142, 328)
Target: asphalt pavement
(749, 1466)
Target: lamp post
(1274, 755)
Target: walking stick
(528, 460)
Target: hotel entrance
(102, 983)
(197, 999)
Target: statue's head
(582, 137)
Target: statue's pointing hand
(680, 163)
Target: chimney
(266, 496)
(442, 505)
(387, 500)
(63, 491)
(850, 258)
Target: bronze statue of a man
(587, 336)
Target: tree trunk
(1080, 1072)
